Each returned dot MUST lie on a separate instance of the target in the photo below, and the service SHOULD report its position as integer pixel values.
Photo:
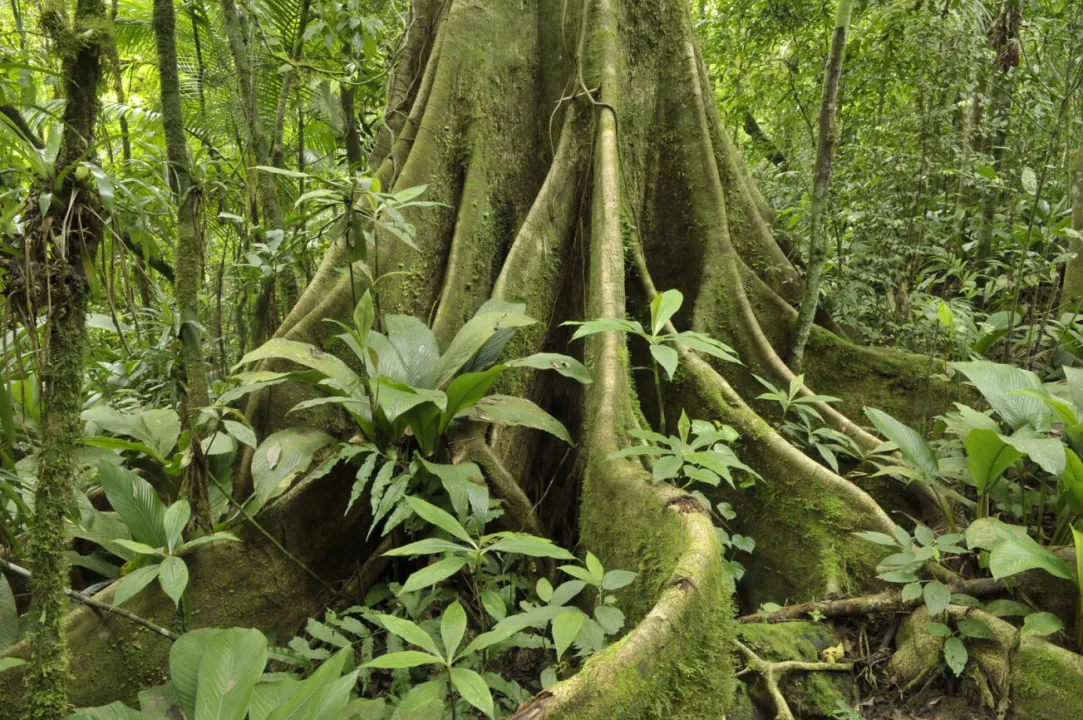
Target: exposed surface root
(772, 672)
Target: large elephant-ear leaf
(511, 410)
(231, 665)
(136, 502)
(303, 354)
(280, 457)
(416, 347)
(9, 615)
(997, 383)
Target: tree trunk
(630, 186)
(69, 242)
(821, 181)
(188, 262)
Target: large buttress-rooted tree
(579, 153)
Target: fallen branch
(887, 601)
(96, 604)
(772, 672)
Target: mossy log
(578, 152)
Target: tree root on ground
(770, 672)
(886, 601)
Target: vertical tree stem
(820, 182)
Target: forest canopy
(441, 359)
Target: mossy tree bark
(188, 262)
(579, 156)
(70, 235)
(821, 182)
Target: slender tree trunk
(1004, 39)
(288, 80)
(188, 262)
(820, 182)
(270, 211)
(1072, 295)
(75, 232)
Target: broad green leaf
(440, 518)
(913, 447)
(563, 364)
(467, 389)
(431, 546)
(231, 664)
(305, 355)
(524, 544)
(663, 307)
(988, 456)
(996, 383)
(9, 615)
(877, 537)
(432, 574)
(617, 579)
(281, 457)
(503, 630)
(137, 547)
(410, 632)
(184, 659)
(175, 520)
(465, 485)
(173, 577)
(322, 694)
(113, 711)
(241, 433)
(473, 689)
(610, 618)
(911, 591)
(131, 584)
(417, 349)
(1019, 553)
(1048, 453)
(364, 315)
(1008, 608)
(395, 398)
(593, 327)
(544, 589)
(1071, 481)
(707, 345)
(594, 565)
(1041, 624)
(666, 468)
(937, 597)
(581, 573)
(667, 357)
(470, 339)
(975, 629)
(452, 627)
(511, 410)
(404, 659)
(136, 502)
(955, 655)
(565, 627)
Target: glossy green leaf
(511, 410)
(565, 365)
(452, 627)
(663, 307)
(988, 456)
(136, 502)
(667, 357)
(432, 574)
(913, 447)
(565, 627)
(175, 520)
(131, 584)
